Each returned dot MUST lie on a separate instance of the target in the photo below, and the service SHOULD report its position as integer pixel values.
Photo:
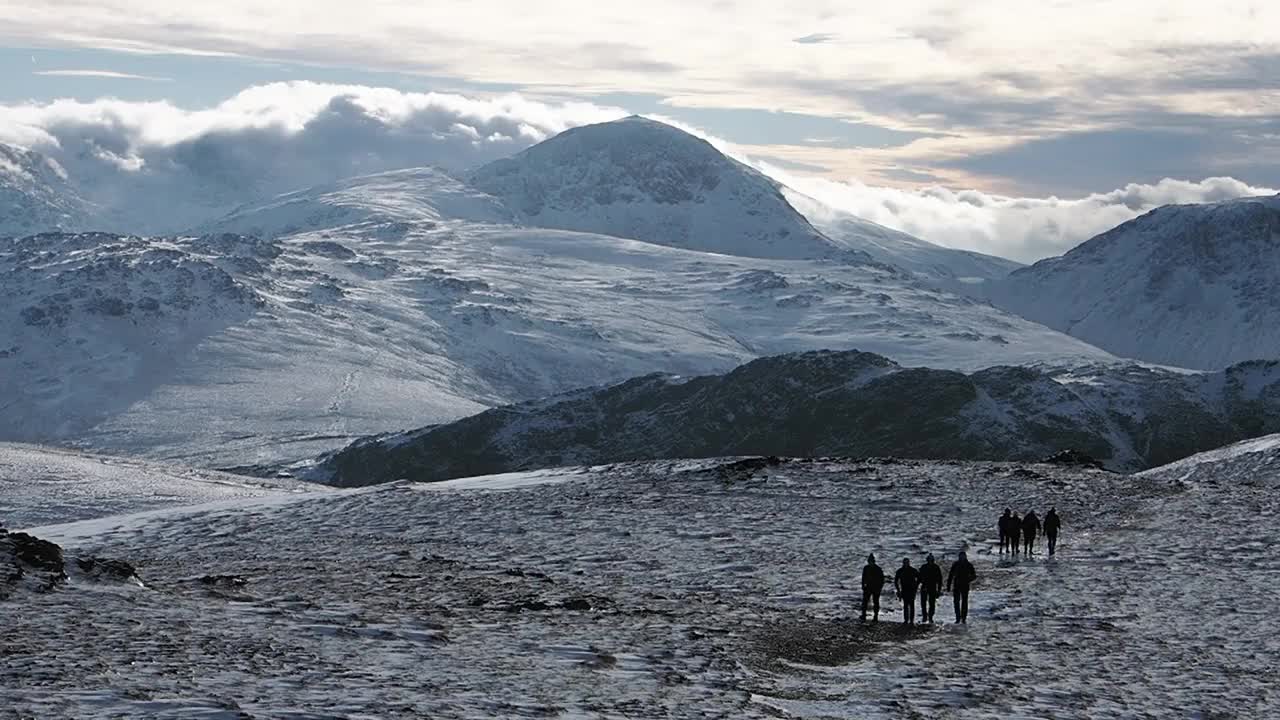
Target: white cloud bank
(1019, 228)
(170, 168)
(191, 165)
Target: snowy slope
(412, 305)
(42, 485)
(1250, 462)
(827, 403)
(957, 270)
(666, 589)
(35, 194)
(640, 179)
(416, 195)
(1187, 285)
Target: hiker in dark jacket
(959, 578)
(1015, 534)
(930, 588)
(1030, 527)
(1003, 525)
(1052, 524)
(872, 584)
(905, 582)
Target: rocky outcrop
(1072, 458)
(29, 562)
(1123, 417)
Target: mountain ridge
(841, 403)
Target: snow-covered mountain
(1193, 286)
(414, 195)
(641, 179)
(957, 270)
(829, 403)
(633, 178)
(36, 195)
(229, 350)
(716, 588)
(409, 298)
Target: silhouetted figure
(905, 582)
(930, 588)
(1015, 533)
(1003, 524)
(1030, 527)
(1052, 524)
(959, 578)
(872, 584)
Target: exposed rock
(39, 554)
(108, 570)
(224, 582)
(27, 561)
(1073, 458)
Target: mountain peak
(645, 180)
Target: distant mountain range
(303, 321)
(410, 297)
(841, 403)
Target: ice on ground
(665, 589)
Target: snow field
(659, 590)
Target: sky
(989, 125)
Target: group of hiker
(1012, 528)
(927, 582)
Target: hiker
(1003, 524)
(930, 588)
(1015, 533)
(905, 583)
(872, 584)
(1052, 524)
(959, 578)
(1030, 526)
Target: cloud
(721, 51)
(107, 74)
(1025, 229)
(936, 67)
(270, 139)
(193, 165)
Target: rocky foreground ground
(669, 589)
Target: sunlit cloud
(856, 59)
(998, 72)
